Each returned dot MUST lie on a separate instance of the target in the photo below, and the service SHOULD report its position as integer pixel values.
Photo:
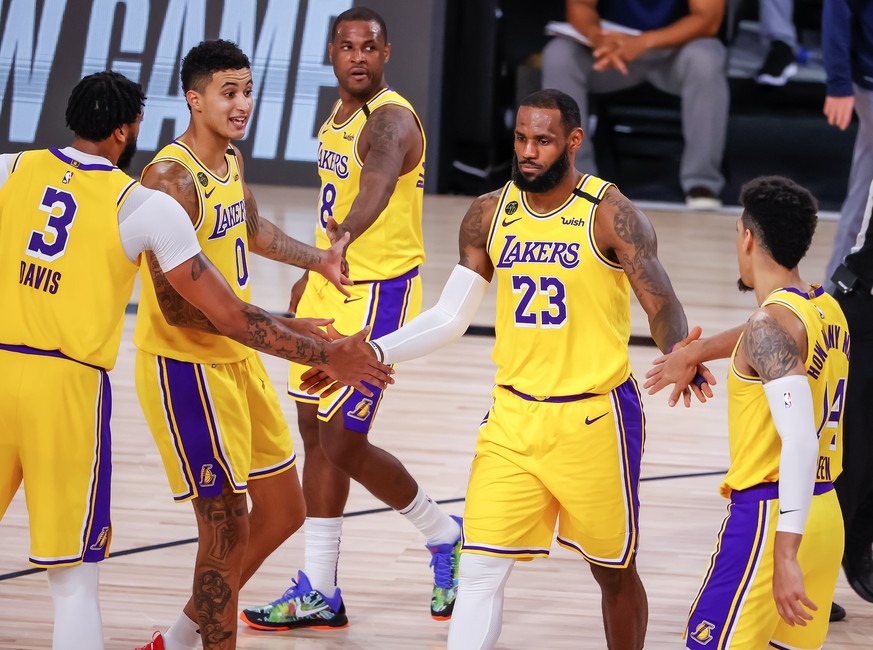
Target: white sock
(321, 542)
(436, 526)
(184, 634)
(478, 614)
(74, 591)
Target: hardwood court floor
(429, 420)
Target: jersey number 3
(51, 242)
(554, 316)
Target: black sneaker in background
(837, 613)
(779, 65)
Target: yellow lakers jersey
(394, 244)
(563, 308)
(755, 445)
(65, 277)
(221, 231)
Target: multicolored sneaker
(157, 642)
(300, 606)
(444, 560)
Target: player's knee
(224, 521)
(343, 448)
(613, 581)
(703, 61)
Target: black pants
(855, 485)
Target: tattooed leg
(223, 531)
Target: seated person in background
(779, 36)
(675, 50)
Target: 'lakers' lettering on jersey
(221, 231)
(563, 308)
(394, 244)
(65, 276)
(755, 445)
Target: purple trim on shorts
(731, 570)
(389, 304)
(24, 349)
(191, 436)
(95, 167)
(629, 406)
(504, 551)
(218, 443)
(99, 530)
(275, 469)
(563, 399)
(769, 491)
(400, 278)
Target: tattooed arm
(391, 144)
(173, 179)
(268, 240)
(200, 283)
(774, 345)
(626, 236)
(449, 318)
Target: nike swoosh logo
(509, 223)
(348, 300)
(785, 512)
(209, 193)
(590, 421)
(309, 612)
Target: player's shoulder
(482, 209)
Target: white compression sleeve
(77, 607)
(478, 614)
(790, 401)
(442, 323)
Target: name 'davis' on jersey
(228, 217)
(39, 277)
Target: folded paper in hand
(554, 28)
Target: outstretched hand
(679, 369)
(333, 265)
(311, 327)
(353, 362)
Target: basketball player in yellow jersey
(564, 438)
(209, 403)
(371, 163)
(72, 227)
(771, 579)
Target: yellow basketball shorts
(54, 435)
(213, 422)
(574, 460)
(735, 608)
(384, 305)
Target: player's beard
(545, 181)
(743, 287)
(126, 156)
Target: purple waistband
(562, 399)
(23, 349)
(768, 491)
(400, 278)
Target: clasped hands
(617, 49)
(680, 369)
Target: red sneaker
(157, 643)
